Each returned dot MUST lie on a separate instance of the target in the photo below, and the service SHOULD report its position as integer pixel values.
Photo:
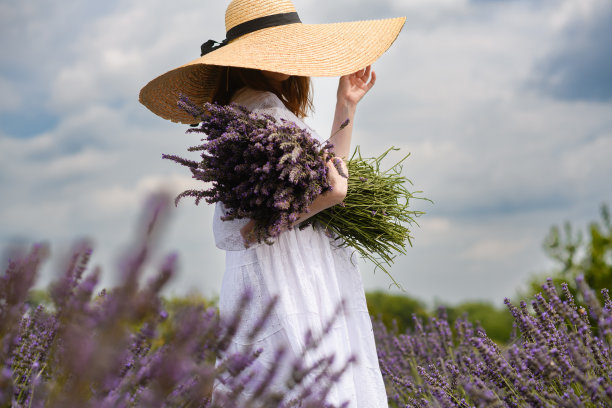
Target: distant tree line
(577, 253)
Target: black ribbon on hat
(210, 46)
(250, 26)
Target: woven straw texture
(239, 12)
(294, 49)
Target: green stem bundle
(374, 217)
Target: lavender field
(129, 347)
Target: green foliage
(577, 255)
(39, 297)
(597, 265)
(496, 321)
(194, 298)
(395, 307)
(175, 306)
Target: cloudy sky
(504, 105)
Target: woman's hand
(337, 194)
(353, 87)
(248, 238)
(337, 181)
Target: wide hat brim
(294, 49)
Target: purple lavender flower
(259, 168)
(129, 347)
(559, 359)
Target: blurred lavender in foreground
(560, 357)
(122, 348)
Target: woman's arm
(337, 194)
(351, 89)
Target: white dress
(310, 275)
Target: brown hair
(295, 92)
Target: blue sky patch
(24, 123)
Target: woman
(265, 64)
(289, 97)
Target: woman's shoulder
(253, 99)
(265, 102)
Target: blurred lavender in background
(560, 356)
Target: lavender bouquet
(271, 171)
(260, 168)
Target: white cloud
(115, 198)
(579, 66)
(122, 51)
(501, 162)
(86, 161)
(10, 98)
(569, 11)
(498, 250)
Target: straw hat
(268, 35)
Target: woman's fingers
(337, 180)
(353, 87)
(372, 80)
(362, 77)
(366, 72)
